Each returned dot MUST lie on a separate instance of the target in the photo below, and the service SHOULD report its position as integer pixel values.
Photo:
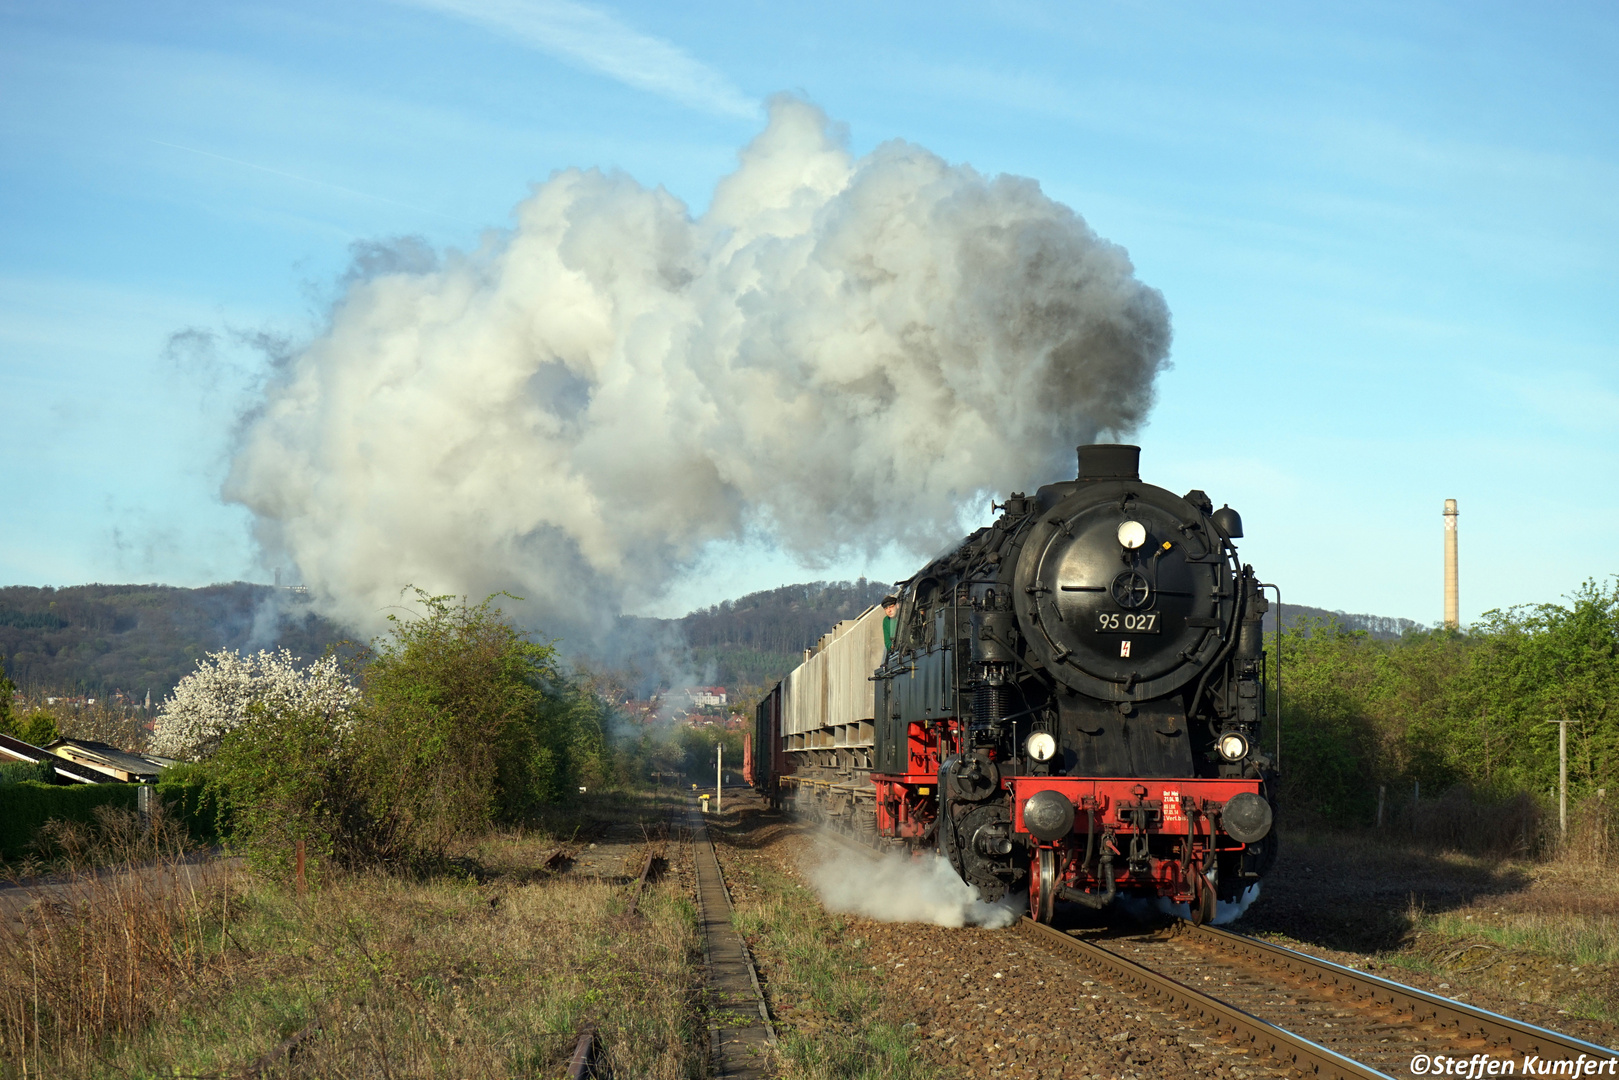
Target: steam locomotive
(1071, 703)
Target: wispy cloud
(597, 40)
(305, 179)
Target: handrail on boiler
(1278, 589)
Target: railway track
(741, 1034)
(1321, 1018)
(1324, 1019)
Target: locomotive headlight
(1232, 746)
(1132, 534)
(1041, 746)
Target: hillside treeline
(749, 643)
(785, 620)
(1376, 626)
(1439, 711)
(93, 640)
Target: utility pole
(719, 778)
(1562, 774)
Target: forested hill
(97, 639)
(788, 619)
(750, 642)
(1381, 627)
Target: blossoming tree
(222, 694)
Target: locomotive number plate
(1127, 622)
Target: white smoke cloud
(896, 887)
(1146, 909)
(838, 354)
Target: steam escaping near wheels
(1146, 910)
(836, 355)
(896, 887)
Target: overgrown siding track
(1324, 1019)
(739, 1022)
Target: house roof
(119, 764)
(16, 750)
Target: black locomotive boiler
(1071, 703)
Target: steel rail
(649, 868)
(1457, 1019)
(1462, 1020)
(1308, 1057)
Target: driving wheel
(1043, 886)
(1203, 905)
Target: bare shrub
(116, 837)
(1478, 823)
(1593, 833)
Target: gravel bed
(985, 1003)
(988, 1003)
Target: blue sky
(1388, 235)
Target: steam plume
(894, 887)
(837, 353)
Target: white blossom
(216, 698)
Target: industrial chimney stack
(1451, 620)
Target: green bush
(26, 806)
(15, 772)
(37, 728)
(194, 802)
(290, 776)
(465, 722)
(1452, 709)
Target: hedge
(190, 798)
(25, 806)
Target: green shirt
(888, 631)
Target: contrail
(307, 180)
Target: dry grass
(91, 955)
(1569, 909)
(1567, 912)
(1570, 940)
(386, 977)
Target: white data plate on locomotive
(1127, 622)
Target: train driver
(890, 620)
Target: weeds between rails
(402, 978)
(831, 1018)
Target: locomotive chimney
(1452, 621)
(1110, 461)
